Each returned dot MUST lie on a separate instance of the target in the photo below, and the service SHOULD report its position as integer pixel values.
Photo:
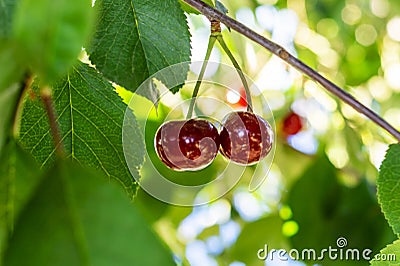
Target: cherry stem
(213, 14)
(240, 72)
(211, 42)
(47, 99)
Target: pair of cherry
(193, 144)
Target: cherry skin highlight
(187, 145)
(246, 138)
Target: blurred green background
(321, 185)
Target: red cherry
(292, 124)
(187, 145)
(242, 101)
(246, 138)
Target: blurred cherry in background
(292, 124)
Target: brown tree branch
(213, 14)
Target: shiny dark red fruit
(292, 124)
(187, 144)
(246, 138)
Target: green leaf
(322, 206)
(189, 9)
(19, 177)
(389, 187)
(50, 34)
(76, 217)
(388, 256)
(10, 89)
(11, 69)
(6, 13)
(354, 146)
(265, 231)
(90, 115)
(361, 63)
(8, 104)
(135, 39)
(220, 7)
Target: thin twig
(239, 71)
(211, 43)
(213, 14)
(45, 95)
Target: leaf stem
(211, 42)
(240, 72)
(213, 14)
(47, 99)
(16, 123)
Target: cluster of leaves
(388, 196)
(69, 210)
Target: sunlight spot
(246, 16)
(392, 76)
(328, 27)
(329, 58)
(393, 29)
(290, 228)
(315, 111)
(232, 97)
(197, 255)
(249, 208)
(380, 8)
(214, 245)
(220, 211)
(229, 232)
(285, 212)
(367, 137)
(351, 14)
(366, 34)
(275, 76)
(393, 116)
(271, 189)
(377, 153)
(337, 154)
(285, 28)
(251, 57)
(317, 43)
(337, 121)
(379, 89)
(304, 142)
(275, 99)
(266, 16)
(349, 112)
(313, 90)
(188, 229)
